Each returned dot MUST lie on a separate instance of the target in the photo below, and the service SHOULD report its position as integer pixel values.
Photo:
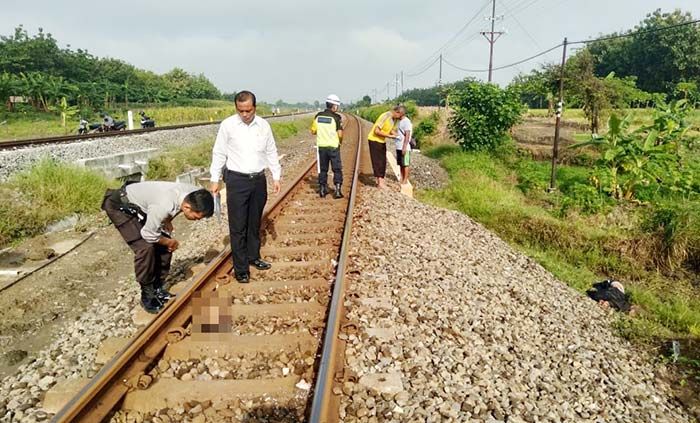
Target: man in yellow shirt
(329, 133)
(384, 128)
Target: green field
(639, 116)
(33, 124)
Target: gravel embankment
(426, 173)
(480, 332)
(12, 161)
(73, 355)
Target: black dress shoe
(242, 277)
(260, 264)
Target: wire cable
(512, 14)
(542, 53)
(454, 37)
(632, 34)
(424, 69)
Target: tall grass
(47, 192)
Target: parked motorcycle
(146, 121)
(86, 127)
(109, 124)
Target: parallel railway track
(13, 144)
(269, 349)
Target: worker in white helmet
(329, 134)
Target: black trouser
(332, 155)
(377, 154)
(245, 197)
(151, 261)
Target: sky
(303, 50)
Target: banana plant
(649, 154)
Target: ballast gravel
(73, 355)
(454, 325)
(426, 172)
(14, 160)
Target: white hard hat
(333, 99)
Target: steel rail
(17, 143)
(124, 371)
(95, 401)
(321, 407)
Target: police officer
(143, 213)
(329, 133)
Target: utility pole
(492, 36)
(388, 91)
(374, 96)
(560, 109)
(401, 82)
(396, 86)
(440, 75)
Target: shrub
(45, 193)
(426, 127)
(483, 113)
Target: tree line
(649, 67)
(36, 68)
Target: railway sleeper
(317, 218)
(174, 394)
(299, 253)
(294, 291)
(291, 270)
(309, 228)
(200, 345)
(273, 240)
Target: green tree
(659, 59)
(483, 113)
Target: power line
(632, 34)
(465, 41)
(424, 69)
(505, 66)
(454, 37)
(512, 14)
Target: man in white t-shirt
(404, 130)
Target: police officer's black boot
(163, 293)
(338, 193)
(149, 299)
(322, 190)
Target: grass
(506, 194)
(46, 193)
(178, 160)
(639, 117)
(29, 123)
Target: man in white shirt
(244, 147)
(404, 131)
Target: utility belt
(125, 206)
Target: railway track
(12, 144)
(263, 351)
